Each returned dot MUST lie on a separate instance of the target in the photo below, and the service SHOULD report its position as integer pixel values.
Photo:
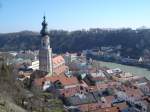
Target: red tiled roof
(95, 107)
(66, 81)
(107, 103)
(99, 78)
(89, 107)
(132, 92)
(108, 109)
(121, 105)
(60, 69)
(58, 59)
(102, 86)
(70, 91)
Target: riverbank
(132, 69)
(120, 60)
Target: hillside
(134, 42)
(6, 105)
(10, 90)
(16, 97)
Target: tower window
(44, 43)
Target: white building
(70, 57)
(34, 65)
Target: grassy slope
(6, 105)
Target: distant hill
(19, 40)
(134, 42)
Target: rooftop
(58, 59)
(65, 81)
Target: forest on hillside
(135, 43)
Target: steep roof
(60, 69)
(58, 59)
(95, 107)
(65, 81)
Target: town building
(58, 62)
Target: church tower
(45, 52)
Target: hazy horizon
(142, 27)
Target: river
(132, 69)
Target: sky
(19, 15)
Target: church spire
(44, 30)
(45, 52)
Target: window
(43, 43)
